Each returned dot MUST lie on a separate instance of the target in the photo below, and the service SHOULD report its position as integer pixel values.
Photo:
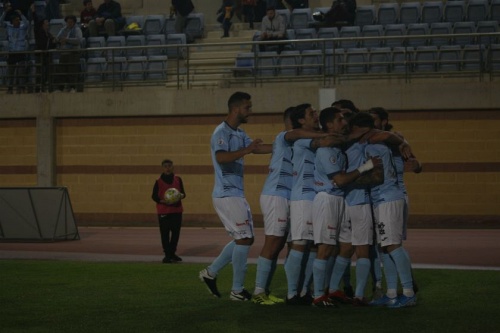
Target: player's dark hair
(327, 115)
(85, 2)
(299, 112)
(382, 115)
(237, 98)
(345, 104)
(166, 161)
(361, 119)
(288, 113)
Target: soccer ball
(172, 195)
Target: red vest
(162, 188)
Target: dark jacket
(183, 7)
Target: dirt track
(427, 247)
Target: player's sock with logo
(362, 273)
(263, 270)
(338, 271)
(292, 270)
(308, 274)
(319, 269)
(391, 275)
(240, 257)
(271, 274)
(330, 262)
(403, 266)
(224, 258)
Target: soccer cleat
(262, 299)
(175, 257)
(295, 300)
(323, 302)
(167, 260)
(210, 281)
(339, 296)
(241, 296)
(403, 301)
(275, 299)
(360, 302)
(384, 301)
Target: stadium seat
(311, 62)
(495, 10)
(244, 64)
(394, 30)
(155, 40)
(372, 31)
(356, 60)
(178, 51)
(135, 69)
(464, 28)
(400, 59)
(115, 41)
(195, 26)
(495, 58)
(426, 58)
(55, 25)
(288, 62)
(300, 18)
(449, 58)
(40, 9)
(266, 63)
(473, 58)
(388, 13)
(153, 24)
(379, 60)
(349, 32)
(440, 28)
(156, 67)
(95, 69)
(328, 33)
(285, 13)
(169, 26)
(454, 11)
(365, 15)
(95, 42)
(334, 61)
(305, 34)
(115, 68)
(138, 19)
(417, 29)
(432, 12)
(409, 13)
(477, 10)
(487, 27)
(136, 41)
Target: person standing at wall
(169, 215)
(182, 9)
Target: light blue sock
(391, 275)
(264, 267)
(240, 257)
(362, 274)
(403, 266)
(319, 269)
(292, 270)
(222, 260)
(274, 264)
(329, 270)
(308, 273)
(338, 271)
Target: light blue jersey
(389, 190)
(228, 176)
(355, 195)
(329, 161)
(399, 163)
(279, 180)
(303, 171)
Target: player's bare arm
(223, 157)
(331, 140)
(361, 176)
(300, 133)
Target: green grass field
(61, 296)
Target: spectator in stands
(182, 9)
(272, 28)
(17, 32)
(342, 13)
(294, 4)
(225, 14)
(69, 40)
(87, 14)
(108, 18)
(249, 11)
(52, 10)
(43, 41)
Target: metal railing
(188, 66)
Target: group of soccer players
(334, 185)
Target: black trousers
(170, 230)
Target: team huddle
(335, 188)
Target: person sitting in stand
(272, 28)
(108, 18)
(87, 14)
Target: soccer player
(388, 201)
(301, 197)
(275, 206)
(229, 144)
(328, 206)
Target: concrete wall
(107, 146)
